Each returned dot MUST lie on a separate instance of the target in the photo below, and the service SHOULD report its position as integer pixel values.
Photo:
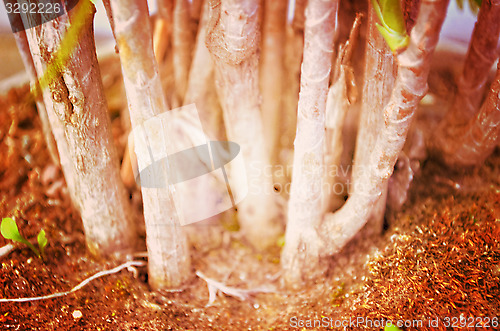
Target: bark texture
(341, 95)
(169, 261)
(201, 90)
(233, 38)
(302, 244)
(471, 84)
(409, 88)
(76, 106)
(293, 59)
(380, 74)
(477, 140)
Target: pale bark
(301, 253)
(477, 140)
(233, 39)
(76, 106)
(168, 255)
(201, 89)
(272, 73)
(182, 41)
(24, 50)
(293, 59)
(341, 95)
(410, 86)
(201, 92)
(380, 74)
(471, 84)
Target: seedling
(391, 327)
(392, 24)
(9, 230)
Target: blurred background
(456, 33)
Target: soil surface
(437, 261)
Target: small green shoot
(391, 327)
(9, 230)
(392, 26)
(42, 242)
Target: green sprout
(392, 24)
(9, 230)
(391, 327)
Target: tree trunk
(183, 42)
(76, 106)
(302, 244)
(380, 73)
(341, 95)
(163, 28)
(293, 59)
(272, 73)
(24, 50)
(471, 84)
(410, 86)
(233, 39)
(169, 263)
(477, 140)
(201, 90)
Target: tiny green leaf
(9, 230)
(391, 327)
(392, 24)
(42, 241)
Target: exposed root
(128, 264)
(214, 287)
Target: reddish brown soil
(439, 257)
